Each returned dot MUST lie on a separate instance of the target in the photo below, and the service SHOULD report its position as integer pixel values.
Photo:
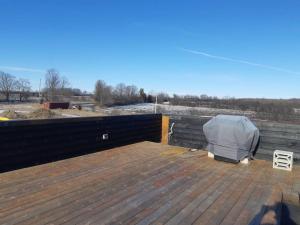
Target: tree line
(55, 87)
(58, 88)
(10, 84)
(269, 109)
(121, 94)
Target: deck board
(143, 183)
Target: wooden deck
(144, 183)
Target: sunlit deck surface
(144, 183)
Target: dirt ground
(36, 111)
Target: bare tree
(55, 85)
(131, 93)
(103, 93)
(7, 84)
(124, 94)
(64, 89)
(52, 83)
(24, 87)
(162, 97)
(143, 95)
(64, 83)
(120, 90)
(119, 94)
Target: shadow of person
(278, 214)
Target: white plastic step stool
(283, 160)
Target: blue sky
(219, 48)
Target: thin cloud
(21, 69)
(240, 61)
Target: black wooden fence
(188, 132)
(30, 142)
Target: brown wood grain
(165, 130)
(144, 183)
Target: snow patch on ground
(179, 110)
(69, 115)
(148, 107)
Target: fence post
(165, 130)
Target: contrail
(22, 69)
(240, 61)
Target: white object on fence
(283, 160)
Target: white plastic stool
(283, 160)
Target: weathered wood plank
(141, 184)
(165, 130)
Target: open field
(31, 111)
(181, 110)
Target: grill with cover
(231, 137)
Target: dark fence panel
(281, 136)
(30, 142)
(188, 132)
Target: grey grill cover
(232, 137)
